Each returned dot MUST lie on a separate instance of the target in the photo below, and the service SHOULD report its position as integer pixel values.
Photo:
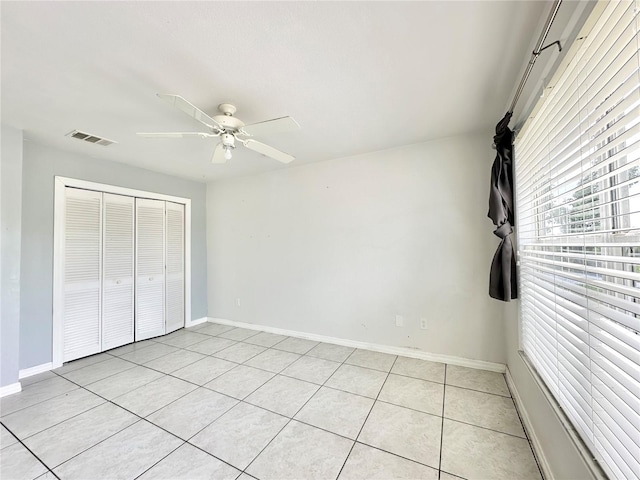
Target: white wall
(10, 214)
(340, 247)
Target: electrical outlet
(399, 321)
(237, 302)
(423, 323)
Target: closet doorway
(121, 267)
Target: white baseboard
(193, 323)
(10, 389)
(406, 352)
(29, 372)
(528, 426)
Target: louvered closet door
(150, 243)
(82, 275)
(117, 271)
(175, 267)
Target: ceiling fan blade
(175, 134)
(190, 109)
(277, 125)
(218, 154)
(268, 151)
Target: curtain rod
(536, 52)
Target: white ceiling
(357, 76)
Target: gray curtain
(502, 279)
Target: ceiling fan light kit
(229, 129)
(228, 143)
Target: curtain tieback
(503, 230)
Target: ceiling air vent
(87, 137)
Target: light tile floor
(217, 402)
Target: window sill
(587, 457)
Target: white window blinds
(577, 164)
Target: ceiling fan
(230, 130)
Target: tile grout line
(113, 403)
(483, 428)
(151, 359)
(279, 373)
(452, 475)
(171, 353)
(39, 403)
(245, 361)
(139, 419)
(111, 376)
(175, 400)
(234, 398)
(344, 362)
(268, 371)
(161, 459)
(377, 399)
(292, 418)
(98, 443)
(244, 470)
(62, 421)
(106, 438)
(166, 405)
(215, 351)
(285, 425)
(228, 371)
(270, 346)
(238, 401)
(236, 340)
(158, 371)
(475, 390)
(79, 368)
(397, 374)
(444, 384)
(94, 355)
(61, 375)
(142, 347)
(170, 374)
(397, 455)
(391, 403)
(297, 353)
(526, 434)
(29, 450)
(185, 348)
(313, 426)
(184, 442)
(185, 330)
(444, 393)
(368, 414)
(100, 379)
(240, 472)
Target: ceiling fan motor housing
(227, 120)
(227, 108)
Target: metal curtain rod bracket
(550, 45)
(543, 36)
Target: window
(577, 162)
